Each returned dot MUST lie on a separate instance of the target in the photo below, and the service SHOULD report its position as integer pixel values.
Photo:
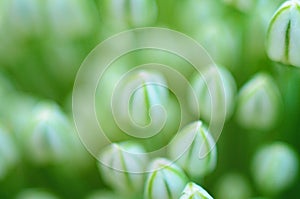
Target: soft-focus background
(42, 45)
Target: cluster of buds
(123, 166)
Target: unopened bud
(122, 166)
(195, 149)
(194, 191)
(258, 103)
(166, 180)
(283, 42)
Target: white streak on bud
(200, 153)
(275, 168)
(194, 191)
(258, 103)
(122, 166)
(166, 180)
(283, 43)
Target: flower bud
(166, 180)
(35, 194)
(241, 5)
(194, 191)
(195, 150)
(144, 96)
(104, 195)
(223, 49)
(65, 19)
(123, 14)
(258, 103)
(260, 198)
(233, 186)
(70, 18)
(274, 168)
(122, 166)
(147, 96)
(47, 136)
(8, 152)
(215, 91)
(283, 43)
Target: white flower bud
(104, 195)
(275, 168)
(258, 103)
(8, 152)
(166, 180)
(233, 186)
(260, 198)
(144, 96)
(35, 194)
(283, 43)
(147, 96)
(122, 14)
(195, 149)
(223, 49)
(242, 5)
(47, 136)
(215, 91)
(194, 191)
(70, 18)
(63, 18)
(122, 166)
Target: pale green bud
(122, 14)
(47, 136)
(6, 91)
(63, 18)
(166, 180)
(194, 191)
(141, 110)
(104, 195)
(192, 11)
(70, 18)
(274, 168)
(260, 198)
(122, 166)
(215, 90)
(147, 96)
(283, 43)
(258, 103)
(8, 153)
(233, 186)
(35, 194)
(241, 5)
(225, 49)
(195, 150)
